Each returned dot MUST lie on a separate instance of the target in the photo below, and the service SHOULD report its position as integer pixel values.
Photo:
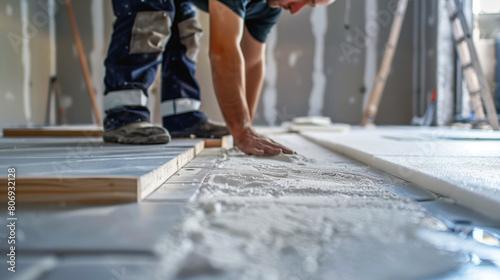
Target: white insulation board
(465, 170)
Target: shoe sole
(138, 137)
(181, 134)
(163, 139)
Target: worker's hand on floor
(253, 143)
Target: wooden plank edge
(153, 180)
(224, 142)
(10, 132)
(113, 190)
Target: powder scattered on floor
(290, 217)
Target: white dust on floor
(289, 217)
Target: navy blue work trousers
(147, 34)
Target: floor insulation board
(225, 215)
(86, 170)
(460, 164)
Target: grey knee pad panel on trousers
(151, 32)
(190, 32)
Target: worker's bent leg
(141, 32)
(180, 91)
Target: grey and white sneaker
(205, 129)
(138, 133)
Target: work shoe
(205, 129)
(137, 133)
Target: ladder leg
(380, 81)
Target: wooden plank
(224, 142)
(381, 79)
(92, 173)
(186, 182)
(96, 190)
(54, 131)
(83, 61)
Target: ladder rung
(454, 15)
(461, 39)
(467, 65)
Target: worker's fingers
(272, 151)
(252, 150)
(256, 144)
(282, 148)
(271, 147)
(286, 150)
(257, 152)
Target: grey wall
(329, 71)
(25, 61)
(45, 47)
(349, 64)
(94, 19)
(352, 56)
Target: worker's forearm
(229, 84)
(254, 79)
(254, 53)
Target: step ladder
(476, 82)
(474, 77)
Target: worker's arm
(254, 55)
(228, 71)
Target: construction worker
(148, 33)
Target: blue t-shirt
(259, 18)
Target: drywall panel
(11, 71)
(322, 61)
(25, 52)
